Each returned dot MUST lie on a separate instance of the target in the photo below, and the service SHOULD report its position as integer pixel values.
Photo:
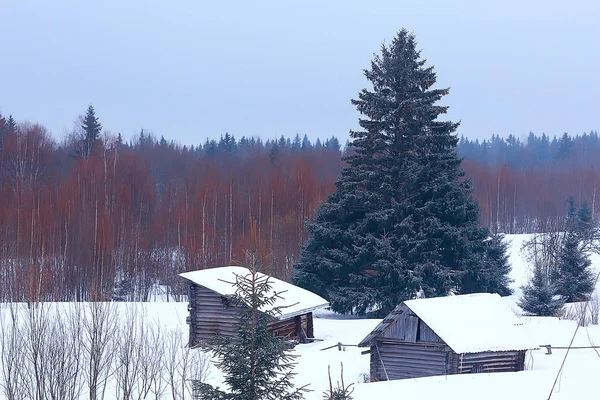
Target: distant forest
(522, 186)
(84, 220)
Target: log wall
(395, 359)
(212, 314)
(500, 361)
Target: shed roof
(471, 323)
(294, 300)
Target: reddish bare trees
(132, 216)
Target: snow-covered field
(577, 379)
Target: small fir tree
(91, 129)
(586, 228)
(11, 124)
(539, 296)
(571, 275)
(573, 278)
(3, 130)
(256, 364)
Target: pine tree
(401, 218)
(91, 129)
(256, 364)
(539, 296)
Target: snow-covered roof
(470, 323)
(294, 300)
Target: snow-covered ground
(577, 379)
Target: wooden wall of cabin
(211, 314)
(499, 361)
(391, 359)
(298, 328)
(406, 326)
(396, 359)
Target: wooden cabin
(447, 335)
(211, 311)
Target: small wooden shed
(447, 335)
(211, 311)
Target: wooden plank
(426, 334)
(407, 360)
(490, 362)
(404, 327)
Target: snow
(473, 323)
(292, 300)
(578, 379)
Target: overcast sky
(189, 70)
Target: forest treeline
(523, 186)
(95, 217)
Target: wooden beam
(309, 325)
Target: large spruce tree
(401, 218)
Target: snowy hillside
(576, 380)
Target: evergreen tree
(586, 228)
(573, 278)
(564, 147)
(539, 296)
(491, 273)
(11, 124)
(274, 152)
(306, 145)
(333, 144)
(210, 147)
(297, 143)
(283, 143)
(227, 143)
(91, 129)
(256, 364)
(3, 131)
(401, 218)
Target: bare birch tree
(99, 331)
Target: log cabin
(447, 335)
(212, 313)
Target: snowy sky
(191, 69)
